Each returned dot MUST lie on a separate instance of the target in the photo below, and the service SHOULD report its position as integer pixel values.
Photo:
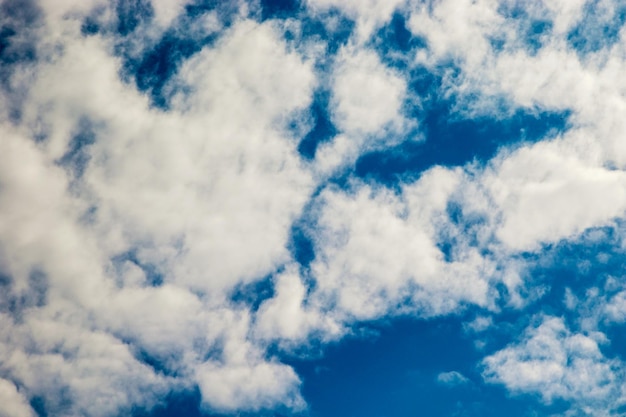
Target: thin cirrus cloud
(197, 200)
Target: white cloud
(566, 13)
(14, 404)
(220, 165)
(458, 29)
(553, 362)
(546, 193)
(249, 387)
(369, 15)
(366, 107)
(377, 253)
(615, 308)
(287, 317)
(167, 10)
(479, 324)
(243, 378)
(69, 364)
(552, 190)
(367, 95)
(183, 191)
(452, 378)
(205, 194)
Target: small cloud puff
(452, 379)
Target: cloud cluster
(554, 363)
(128, 226)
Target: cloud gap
(453, 140)
(598, 29)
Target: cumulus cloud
(287, 316)
(367, 95)
(542, 179)
(147, 196)
(367, 107)
(378, 253)
(14, 403)
(127, 225)
(249, 387)
(553, 362)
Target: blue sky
(312, 208)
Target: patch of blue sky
(468, 224)
(253, 294)
(38, 405)
(598, 29)
(17, 16)
(18, 45)
(535, 34)
(77, 156)
(279, 9)
(14, 302)
(131, 13)
(301, 245)
(394, 43)
(452, 140)
(331, 27)
(154, 69)
(160, 365)
(323, 128)
(578, 264)
(41, 405)
(178, 403)
(393, 372)
(227, 11)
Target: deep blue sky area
(393, 372)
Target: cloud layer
(162, 229)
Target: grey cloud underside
(162, 229)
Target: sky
(314, 208)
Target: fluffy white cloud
(249, 387)
(202, 197)
(367, 95)
(553, 362)
(76, 369)
(548, 191)
(220, 165)
(458, 29)
(242, 378)
(14, 404)
(166, 10)
(546, 194)
(378, 253)
(367, 108)
(288, 317)
(369, 15)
